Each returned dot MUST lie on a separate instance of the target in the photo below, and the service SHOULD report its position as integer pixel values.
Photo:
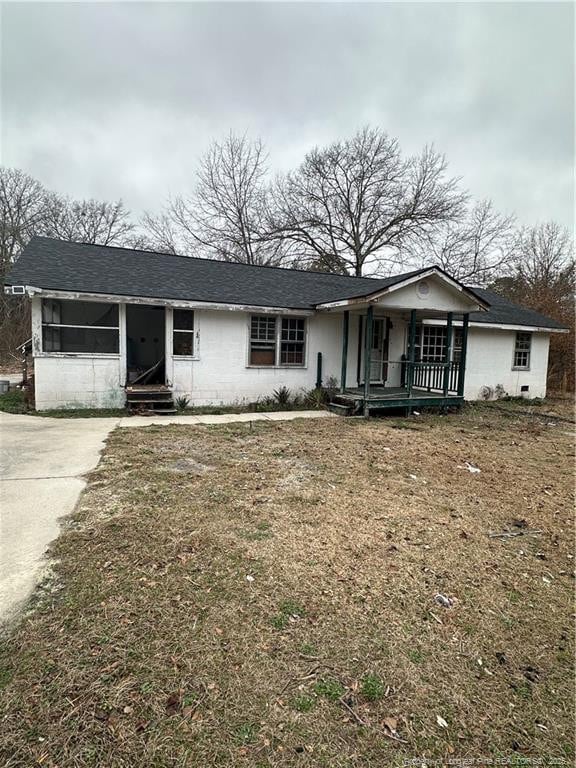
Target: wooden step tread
(150, 399)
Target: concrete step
(340, 408)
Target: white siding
(489, 363)
(78, 382)
(221, 374)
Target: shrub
(282, 396)
(316, 398)
(182, 402)
(14, 401)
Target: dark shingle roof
(505, 312)
(64, 266)
(80, 267)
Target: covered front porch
(429, 371)
(405, 345)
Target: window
(522, 350)
(456, 345)
(430, 344)
(433, 343)
(277, 340)
(79, 326)
(292, 341)
(262, 340)
(183, 333)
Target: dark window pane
(79, 313)
(183, 320)
(183, 343)
(262, 356)
(80, 340)
(522, 350)
(292, 329)
(293, 333)
(292, 353)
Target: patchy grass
(82, 413)
(13, 401)
(156, 644)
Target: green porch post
(345, 327)
(411, 352)
(368, 355)
(447, 353)
(462, 371)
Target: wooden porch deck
(353, 400)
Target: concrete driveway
(42, 463)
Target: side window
(262, 340)
(183, 332)
(456, 345)
(277, 340)
(292, 341)
(522, 350)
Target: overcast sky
(113, 100)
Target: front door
(145, 344)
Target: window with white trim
(277, 341)
(430, 344)
(183, 333)
(80, 326)
(522, 348)
(292, 340)
(433, 344)
(262, 340)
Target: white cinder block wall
(490, 359)
(78, 382)
(220, 373)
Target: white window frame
(192, 333)
(278, 341)
(58, 353)
(519, 350)
(456, 331)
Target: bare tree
(358, 202)
(543, 278)
(162, 233)
(87, 221)
(22, 208)
(226, 216)
(474, 248)
(21, 215)
(28, 209)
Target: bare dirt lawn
(267, 596)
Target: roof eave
(402, 283)
(53, 293)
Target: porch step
(340, 409)
(150, 399)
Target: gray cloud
(119, 99)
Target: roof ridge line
(220, 261)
